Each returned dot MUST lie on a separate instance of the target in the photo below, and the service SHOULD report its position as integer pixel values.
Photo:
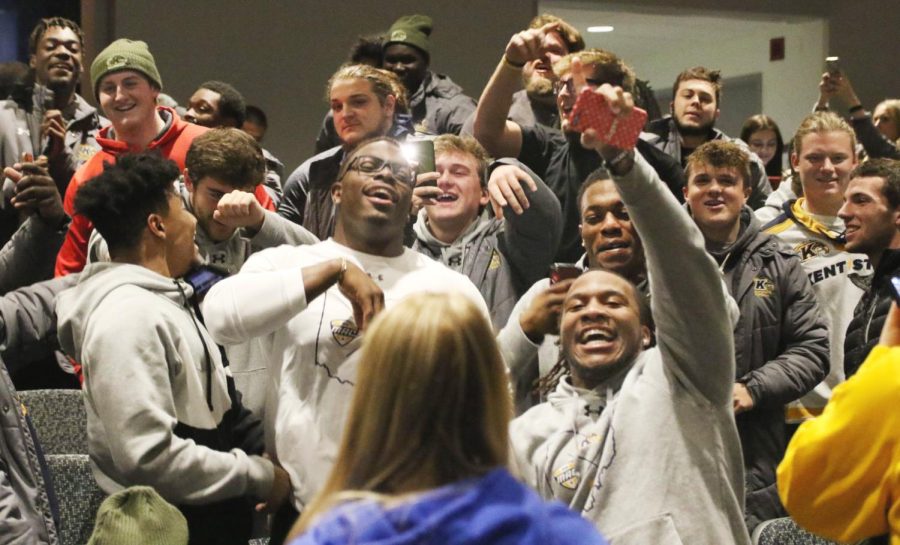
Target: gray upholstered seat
(59, 418)
(78, 494)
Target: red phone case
(592, 111)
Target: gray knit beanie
(139, 516)
(125, 54)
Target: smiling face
(872, 225)
(608, 236)
(694, 108)
(886, 122)
(538, 74)
(764, 143)
(374, 203)
(128, 100)
(824, 165)
(716, 196)
(357, 112)
(203, 109)
(463, 193)
(57, 58)
(600, 327)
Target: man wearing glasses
(557, 156)
(310, 338)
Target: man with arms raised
(556, 156)
(304, 308)
(643, 441)
(502, 253)
(871, 214)
(823, 157)
(692, 121)
(127, 84)
(364, 103)
(781, 342)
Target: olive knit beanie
(139, 516)
(412, 30)
(125, 54)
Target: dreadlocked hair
(542, 386)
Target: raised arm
(500, 137)
(688, 299)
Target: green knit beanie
(125, 54)
(139, 516)
(412, 30)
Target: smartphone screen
(422, 152)
(895, 288)
(564, 271)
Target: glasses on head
(569, 85)
(369, 165)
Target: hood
(491, 509)
(173, 128)
(452, 254)
(75, 306)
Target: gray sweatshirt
(652, 455)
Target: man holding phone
(557, 156)
(871, 214)
(502, 253)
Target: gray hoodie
(155, 388)
(652, 455)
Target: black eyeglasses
(569, 84)
(370, 165)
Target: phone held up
(421, 152)
(564, 271)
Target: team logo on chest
(567, 476)
(344, 331)
(810, 249)
(763, 286)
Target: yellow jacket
(840, 476)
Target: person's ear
(188, 183)
(646, 337)
(795, 160)
(156, 225)
(390, 104)
(336, 192)
(32, 61)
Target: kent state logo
(344, 331)
(398, 36)
(567, 476)
(811, 249)
(763, 286)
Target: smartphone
(592, 111)
(895, 288)
(203, 278)
(421, 151)
(564, 271)
(833, 65)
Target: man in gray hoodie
(161, 406)
(502, 253)
(643, 441)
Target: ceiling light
(600, 29)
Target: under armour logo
(217, 258)
(588, 411)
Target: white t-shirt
(311, 348)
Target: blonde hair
(431, 405)
(892, 109)
(467, 145)
(822, 122)
(384, 83)
(607, 67)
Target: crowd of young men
(214, 314)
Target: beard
(702, 130)
(539, 87)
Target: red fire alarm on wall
(776, 49)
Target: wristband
(854, 109)
(511, 64)
(624, 154)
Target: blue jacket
(495, 509)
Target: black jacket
(781, 352)
(869, 315)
